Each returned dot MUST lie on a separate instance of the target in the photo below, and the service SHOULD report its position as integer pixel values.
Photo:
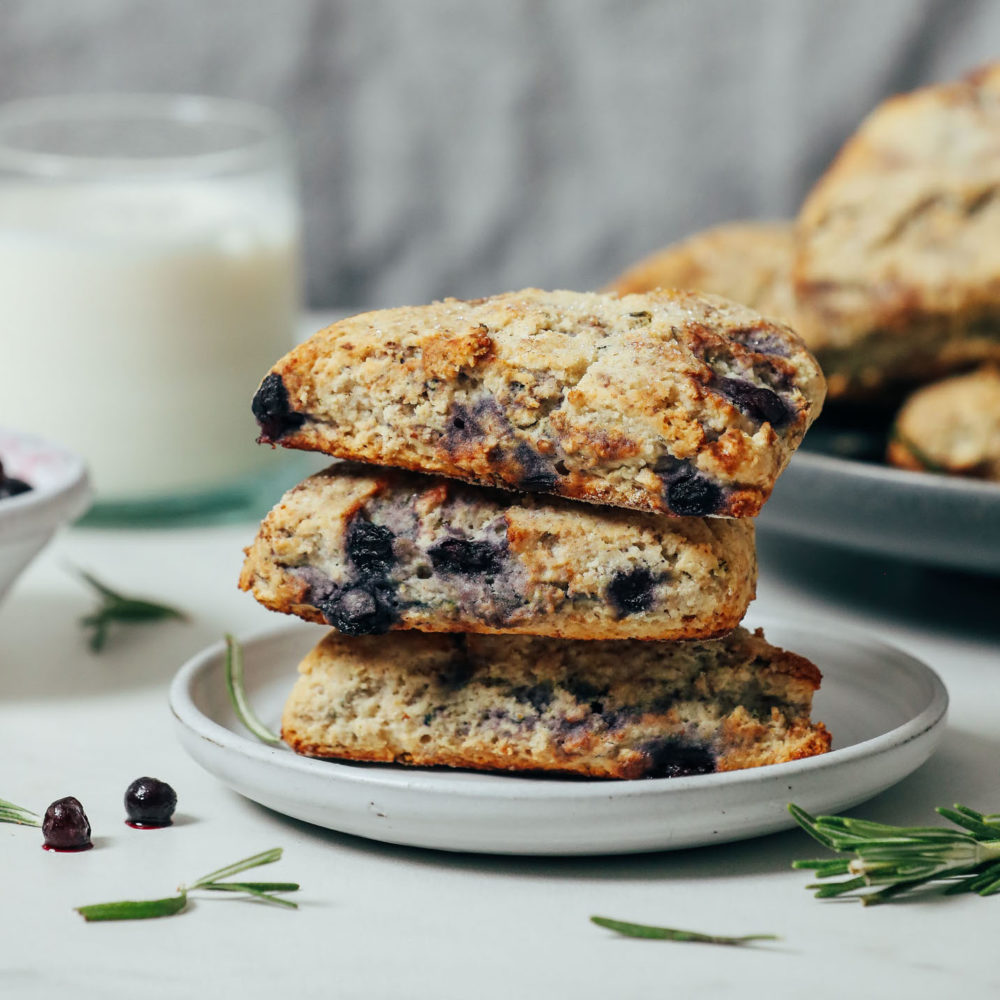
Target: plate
(885, 709)
(939, 520)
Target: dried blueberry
(360, 610)
(459, 671)
(273, 409)
(669, 758)
(692, 495)
(760, 341)
(583, 691)
(65, 826)
(539, 696)
(760, 404)
(369, 547)
(149, 802)
(631, 593)
(11, 487)
(462, 427)
(460, 555)
(534, 473)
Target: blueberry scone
(669, 402)
(369, 549)
(897, 273)
(604, 709)
(952, 426)
(748, 262)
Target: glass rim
(270, 141)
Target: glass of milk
(149, 278)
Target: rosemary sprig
(896, 860)
(10, 813)
(238, 695)
(116, 607)
(144, 909)
(673, 934)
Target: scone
(521, 703)
(952, 426)
(368, 549)
(748, 262)
(897, 274)
(668, 402)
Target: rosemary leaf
(130, 909)
(254, 861)
(238, 696)
(101, 588)
(674, 934)
(252, 886)
(117, 607)
(11, 813)
(825, 868)
(894, 861)
(972, 821)
(134, 909)
(249, 890)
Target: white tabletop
(379, 921)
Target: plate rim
(911, 480)
(493, 786)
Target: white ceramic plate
(885, 709)
(940, 520)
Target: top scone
(673, 402)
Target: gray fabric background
(463, 148)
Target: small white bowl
(60, 491)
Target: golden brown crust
(594, 397)
(600, 709)
(897, 272)
(537, 566)
(748, 262)
(951, 427)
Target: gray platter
(866, 506)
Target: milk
(136, 320)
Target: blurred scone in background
(454, 148)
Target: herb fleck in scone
(669, 402)
(369, 549)
(607, 709)
(748, 262)
(951, 426)
(897, 276)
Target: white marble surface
(378, 921)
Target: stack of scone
(545, 566)
(891, 272)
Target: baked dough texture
(748, 262)
(669, 402)
(897, 271)
(369, 549)
(609, 709)
(952, 426)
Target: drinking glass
(149, 278)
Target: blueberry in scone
(603, 709)
(369, 549)
(669, 402)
